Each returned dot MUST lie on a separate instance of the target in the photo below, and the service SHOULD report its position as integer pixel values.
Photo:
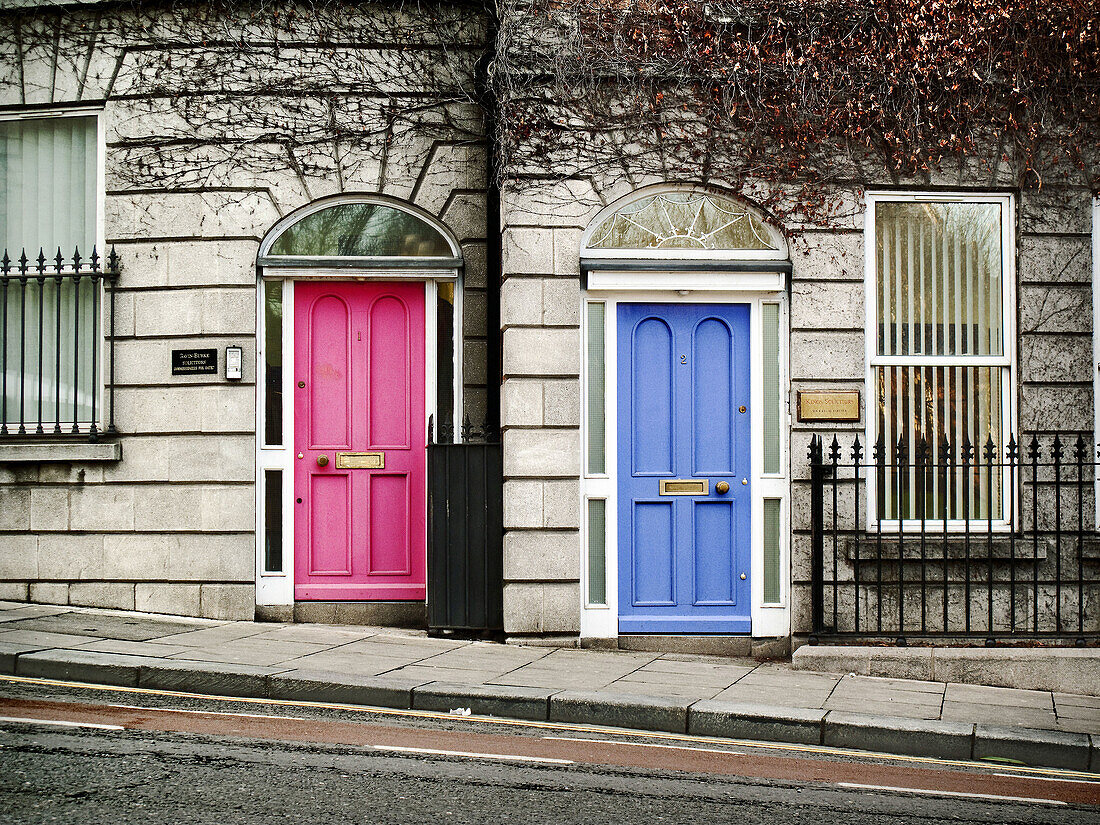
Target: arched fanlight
(362, 229)
(694, 221)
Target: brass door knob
(722, 487)
(322, 461)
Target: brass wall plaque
(360, 461)
(828, 405)
(685, 486)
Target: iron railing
(55, 316)
(964, 541)
(465, 531)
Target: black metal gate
(465, 532)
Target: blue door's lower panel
(670, 623)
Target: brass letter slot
(360, 461)
(685, 487)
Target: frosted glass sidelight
(772, 546)
(273, 363)
(361, 230)
(597, 463)
(597, 541)
(771, 388)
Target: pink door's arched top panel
(389, 415)
(329, 398)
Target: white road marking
(643, 745)
(59, 722)
(473, 755)
(1049, 779)
(960, 794)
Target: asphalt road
(95, 755)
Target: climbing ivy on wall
(989, 92)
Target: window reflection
(361, 230)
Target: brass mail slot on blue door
(360, 461)
(685, 486)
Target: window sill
(54, 451)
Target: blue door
(684, 468)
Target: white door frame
(768, 620)
(277, 587)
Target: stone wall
(171, 527)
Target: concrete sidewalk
(736, 698)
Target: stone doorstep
(1057, 669)
(883, 734)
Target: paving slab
(999, 696)
(774, 695)
(133, 628)
(132, 648)
(335, 660)
(1055, 749)
(998, 715)
(327, 634)
(342, 688)
(444, 674)
(43, 639)
(683, 691)
(218, 634)
(512, 702)
(620, 710)
(247, 652)
(16, 611)
(884, 734)
(910, 710)
(770, 723)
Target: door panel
(683, 376)
(359, 388)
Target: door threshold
(412, 615)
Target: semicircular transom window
(361, 230)
(684, 220)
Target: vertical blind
(47, 203)
(939, 297)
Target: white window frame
(100, 242)
(1007, 361)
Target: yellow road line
(557, 726)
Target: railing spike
(990, 449)
(1056, 449)
(42, 260)
(834, 450)
(1033, 448)
(1079, 450)
(23, 261)
(112, 262)
(857, 450)
(94, 259)
(59, 261)
(5, 263)
(76, 259)
(431, 424)
(1013, 448)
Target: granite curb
(767, 723)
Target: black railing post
(857, 458)
(834, 459)
(817, 537)
(990, 454)
(110, 276)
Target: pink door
(360, 460)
